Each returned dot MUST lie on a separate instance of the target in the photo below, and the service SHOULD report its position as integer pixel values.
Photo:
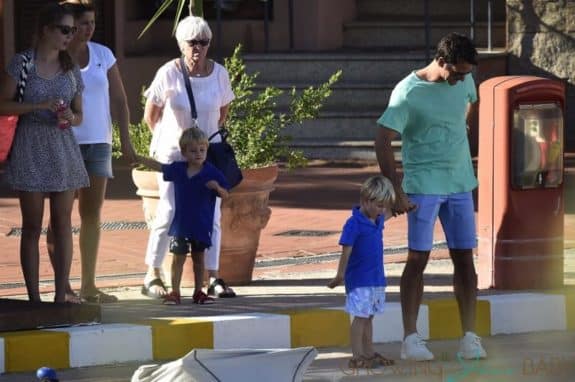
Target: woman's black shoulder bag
(220, 154)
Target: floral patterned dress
(45, 158)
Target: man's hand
(402, 203)
(335, 282)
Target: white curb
(251, 331)
(108, 344)
(526, 312)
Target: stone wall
(541, 41)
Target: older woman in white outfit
(167, 113)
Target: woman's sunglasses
(198, 42)
(66, 29)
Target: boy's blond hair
(192, 135)
(378, 188)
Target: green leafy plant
(255, 126)
(195, 7)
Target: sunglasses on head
(198, 42)
(66, 29)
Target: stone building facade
(541, 41)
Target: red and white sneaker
(172, 298)
(202, 298)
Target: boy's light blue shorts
(365, 301)
(457, 217)
(97, 159)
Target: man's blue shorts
(457, 216)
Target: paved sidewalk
(316, 200)
(287, 305)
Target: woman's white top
(168, 91)
(96, 124)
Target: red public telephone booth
(520, 171)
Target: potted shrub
(257, 132)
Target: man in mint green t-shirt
(429, 108)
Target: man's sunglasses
(457, 74)
(198, 42)
(66, 29)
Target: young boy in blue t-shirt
(361, 266)
(196, 185)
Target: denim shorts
(183, 246)
(97, 159)
(365, 301)
(457, 217)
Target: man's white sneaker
(470, 347)
(413, 348)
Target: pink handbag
(7, 129)
(8, 123)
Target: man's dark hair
(78, 8)
(455, 48)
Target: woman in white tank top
(104, 100)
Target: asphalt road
(535, 357)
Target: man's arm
(386, 161)
(471, 115)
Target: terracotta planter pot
(244, 214)
(147, 183)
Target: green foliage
(194, 7)
(256, 128)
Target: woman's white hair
(190, 28)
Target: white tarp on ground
(205, 365)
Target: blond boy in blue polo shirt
(361, 266)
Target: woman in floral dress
(45, 159)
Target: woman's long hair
(49, 15)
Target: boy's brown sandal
(361, 363)
(381, 360)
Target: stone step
(340, 125)
(342, 149)
(357, 67)
(411, 35)
(439, 9)
(366, 97)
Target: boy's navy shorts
(183, 246)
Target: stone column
(541, 41)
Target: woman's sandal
(73, 298)
(220, 289)
(100, 298)
(153, 287)
(361, 363)
(381, 360)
